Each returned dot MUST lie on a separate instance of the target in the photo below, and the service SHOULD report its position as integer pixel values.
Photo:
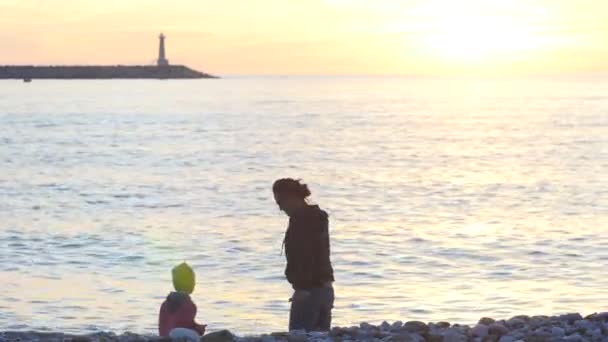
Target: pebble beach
(566, 327)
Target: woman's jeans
(184, 334)
(314, 312)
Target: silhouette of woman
(307, 251)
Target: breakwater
(100, 72)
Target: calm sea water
(449, 199)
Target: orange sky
(313, 36)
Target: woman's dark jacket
(307, 249)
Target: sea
(450, 199)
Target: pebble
(218, 336)
(480, 330)
(574, 337)
(416, 326)
(486, 321)
(297, 338)
(385, 325)
(572, 317)
(602, 316)
(516, 323)
(454, 335)
(497, 329)
(583, 324)
(522, 317)
(406, 337)
(397, 325)
(596, 334)
(435, 335)
(443, 325)
(558, 332)
(365, 326)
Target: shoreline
(566, 327)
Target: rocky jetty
(568, 327)
(30, 72)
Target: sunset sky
(411, 37)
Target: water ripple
(444, 204)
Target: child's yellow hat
(183, 278)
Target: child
(178, 311)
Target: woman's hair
(290, 186)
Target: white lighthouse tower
(162, 60)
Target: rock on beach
(568, 327)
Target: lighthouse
(162, 61)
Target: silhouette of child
(177, 313)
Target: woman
(307, 251)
